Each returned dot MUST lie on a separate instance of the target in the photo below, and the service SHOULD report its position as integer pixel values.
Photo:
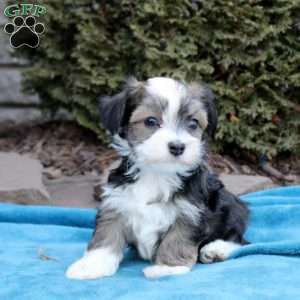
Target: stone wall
(15, 106)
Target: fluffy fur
(162, 197)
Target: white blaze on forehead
(169, 90)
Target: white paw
(157, 271)
(217, 250)
(94, 264)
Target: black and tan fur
(204, 218)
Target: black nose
(176, 148)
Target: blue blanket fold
(38, 243)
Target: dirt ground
(66, 149)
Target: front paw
(157, 271)
(95, 264)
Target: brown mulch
(64, 149)
(67, 149)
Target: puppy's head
(163, 121)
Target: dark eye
(151, 122)
(192, 124)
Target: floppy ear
(204, 94)
(211, 110)
(115, 110)
(112, 110)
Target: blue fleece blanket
(37, 244)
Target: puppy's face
(163, 121)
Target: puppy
(162, 198)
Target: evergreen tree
(247, 50)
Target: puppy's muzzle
(176, 148)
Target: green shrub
(248, 50)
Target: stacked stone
(15, 106)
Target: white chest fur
(146, 209)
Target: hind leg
(217, 250)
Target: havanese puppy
(162, 198)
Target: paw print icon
(24, 32)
